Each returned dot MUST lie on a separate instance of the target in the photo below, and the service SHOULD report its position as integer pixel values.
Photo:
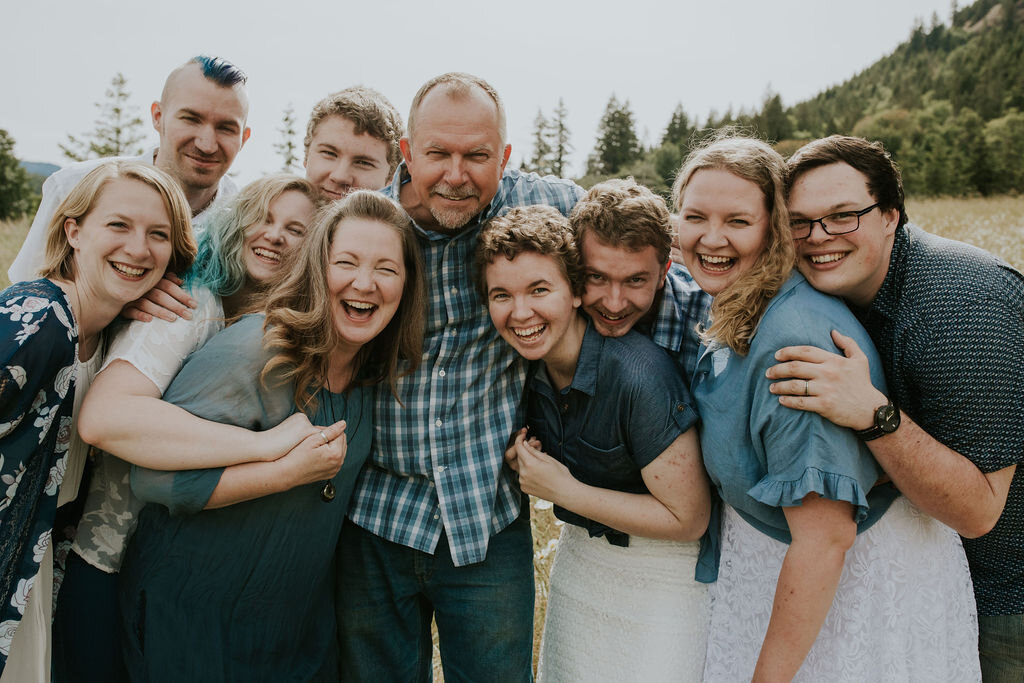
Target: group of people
(786, 451)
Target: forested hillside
(948, 103)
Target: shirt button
(680, 407)
(436, 515)
(437, 423)
(440, 373)
(565, 407)
(440, 469)
(452, 332)
(455, 290)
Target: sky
(57, 57)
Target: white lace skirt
(904, 610)
(623, 614)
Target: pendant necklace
(327, 492)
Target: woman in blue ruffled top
(825, 573)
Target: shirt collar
(588, 365)
(887, 299)
(668, 326)
(402, 177)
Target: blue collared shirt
(437, 462)
(949, 325)
(625, 405)
(683, 306)
(762, 456)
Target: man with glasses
(948, 321)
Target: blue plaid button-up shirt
(683, 306)
(437, 462)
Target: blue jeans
(387, 594)
(1001, 646)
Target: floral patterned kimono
(38, 347)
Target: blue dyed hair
(219, 264)
(221, 71)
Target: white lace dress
(904, 610)
(623, 614)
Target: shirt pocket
(606, 467)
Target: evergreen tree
(118, 130)
(287, 147)
(16, 198)
(560, 145)
(540, 161)
(617, 141)
(679, 130)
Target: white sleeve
(29, 260)
(159, 348)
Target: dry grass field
(995, 224)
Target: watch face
(888, 418)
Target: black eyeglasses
(838, 223)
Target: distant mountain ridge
(39, 168)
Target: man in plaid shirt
(437, 525)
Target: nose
(206, 140)
(135, 245)
(274, 233)
(614, 302)
(341, 174)
(817, 234)
(363, 281)
(521, 310)
(714, 236)
(455, 174)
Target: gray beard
(451, 221)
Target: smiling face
(853, 265)
(455, 157)
(122, 245)
(531, 304)
(723, 226)
(288, 217)
(339, 161)
(365, 278)
(621, 284)
(201, 126)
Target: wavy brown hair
(737, 310)
(299, 324)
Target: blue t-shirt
(625, 405)
(762, 456)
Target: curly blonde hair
(737, 310)
(539, 229)
(299, 324)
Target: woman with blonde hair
(230, 574)
(241, 250)
(109, 243)
(824, 575)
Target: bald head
(216, 70)
(459, 86)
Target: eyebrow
(835, 208)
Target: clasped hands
(539, 474)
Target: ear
(403, 144)
(245, 136)
(505, 156)
(890, 220)
(664, 274)
(156, 114)
(73, 232)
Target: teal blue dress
(244, 592)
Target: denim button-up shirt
(625, 405)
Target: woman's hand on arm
(822, 530)
(677, 507)
(124, 415)
(317, 458)
(166, 300)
